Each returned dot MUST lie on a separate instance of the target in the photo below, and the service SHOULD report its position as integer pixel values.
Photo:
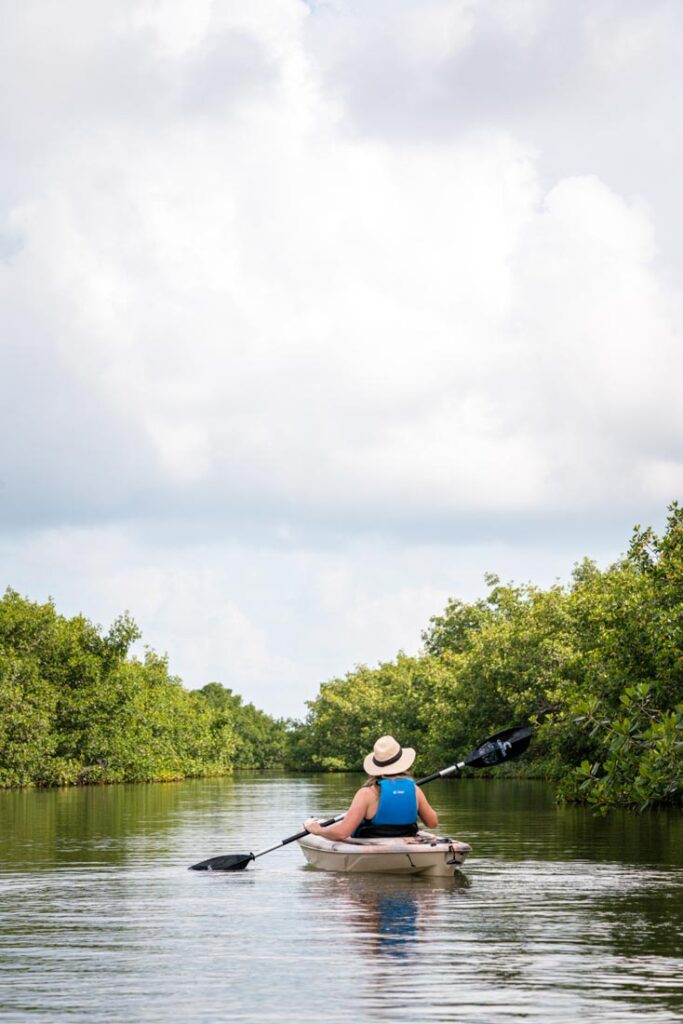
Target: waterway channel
(557, 916)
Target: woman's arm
(349, 823)
(426, 811)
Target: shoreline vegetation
(595, 665)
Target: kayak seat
(366, 830)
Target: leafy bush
(76, 708)
(643, 758)
(596, 665)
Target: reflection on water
(556, 917)
(389, 912)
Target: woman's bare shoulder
(362, 797)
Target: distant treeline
(75, 708)
(596, 665)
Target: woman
(389, 803)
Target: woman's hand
(313, 826)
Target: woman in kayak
(389, 803)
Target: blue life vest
(397, 803)
(396, 813)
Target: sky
(313, 314)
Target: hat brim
(402, 765)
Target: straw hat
(388, 757)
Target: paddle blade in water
(504, 746)
(229, 862)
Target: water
(557, 916)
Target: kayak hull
(423, 854)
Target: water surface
(557, 916)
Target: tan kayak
(423, 854)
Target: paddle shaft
(504, 746)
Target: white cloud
(284, 279)
(271, 622)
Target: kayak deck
(423, 854)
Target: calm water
(557, 916)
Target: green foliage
(454, 630)
(348, 714)
(27, 740)
(596, 665)
(76, 708)
(260, 740)
(643, 760)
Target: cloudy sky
(310, 314)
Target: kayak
(423, 854)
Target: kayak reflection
(390, 914)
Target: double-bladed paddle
(504, 746)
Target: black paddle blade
(504, 746)
(229, 862)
